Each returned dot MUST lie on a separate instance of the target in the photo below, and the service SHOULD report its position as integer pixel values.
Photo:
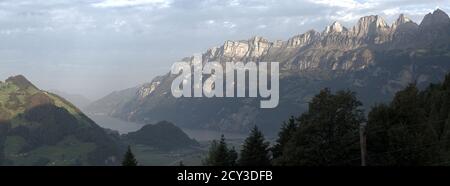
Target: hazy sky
(92, 47)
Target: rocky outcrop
(434, 28)
(335, 28)
(435, 20)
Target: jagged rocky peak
(402, 19)
(438, 17)
(302, 39)
(336, 27)
(403, 29)
(369, 25)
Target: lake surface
(124, 127)
(121, 126)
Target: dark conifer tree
(220, 155)
(232, 157)
(287, 130)
(129, 159)
(255, 151)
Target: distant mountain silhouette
(78, 100)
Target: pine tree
(129, 159)
(232, 157)
(287, 130)
(255, 151)
(220, 155)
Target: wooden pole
(362, 141)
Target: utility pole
(362, 142)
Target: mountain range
(373, 58)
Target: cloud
(130, 3)
(347, 4)
(229, 24)
(392, 11)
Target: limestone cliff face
(251, 49)
(303, 39)
(337, 47)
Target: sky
(94, 47)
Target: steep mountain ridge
(41, 128)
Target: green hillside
(41, 128)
